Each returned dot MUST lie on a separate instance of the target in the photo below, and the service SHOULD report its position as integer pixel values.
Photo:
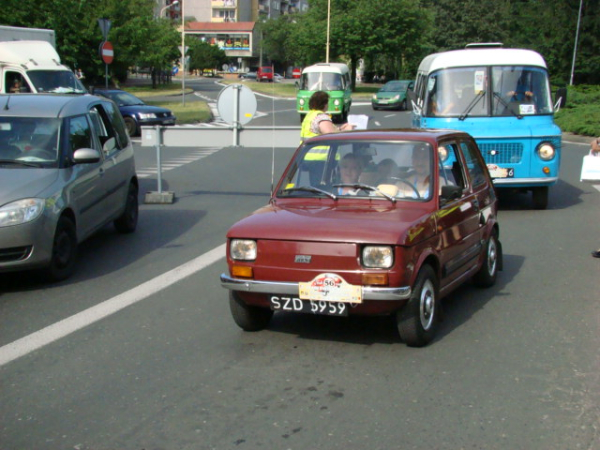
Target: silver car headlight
(378, 256)
(546, 151)
(21, 211)
(242, 249)
(147, 116)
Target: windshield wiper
(313, 190)
(19, 163)
(366, 187)
(506, 105)
(474, 102)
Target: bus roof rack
(485, 45)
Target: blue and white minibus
(501, 96)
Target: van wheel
(248, 318)
(418, 321)
(540, 197)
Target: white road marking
(173, 163)
(51, 333)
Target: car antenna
(6, 108)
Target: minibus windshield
(488, 91)
(322, 81)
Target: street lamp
(176, 2)
(183, 53)
(328, 19)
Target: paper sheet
(360, 121)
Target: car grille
(163, 115)
(15, 253)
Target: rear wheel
(64, 251)
(418, 321)
(248, 318)
(130, 125)
(540, 197)
(127, 222)
(486, 276)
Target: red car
(265, 73)
(368, 223)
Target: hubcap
(427, 305)
(492, 257)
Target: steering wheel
(402, 180)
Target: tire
(487, 274)
(301, 118)
(248, 318)
(540, 197)
(403, 105)
(127, 222)
(418, 321)
(64, 251)
(131, 126)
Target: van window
(322, 81)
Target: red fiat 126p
(368, 223)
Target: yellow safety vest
(315, 153)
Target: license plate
(321, 307)
(331, 288)
(500, 172)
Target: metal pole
(576, 40)
(328, 20)
(183, 52)
(236, 112)
(158, 162)
(106, 75)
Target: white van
(34, 67)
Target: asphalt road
(138, 349)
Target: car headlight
(147, 116)
(546, 151)
(243, 249)
(301, 101)
(380, 256)
(374, 96)
(21, 211)
(396, 97)
(336, 102)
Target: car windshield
(28, 142)
(381, 170)
(484, 91)
(124, 99)
(395, 86)
(321, 81)
(56, 82)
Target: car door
(458, 218)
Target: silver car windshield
(29, 141)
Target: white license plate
(321, 307)
(500, 172)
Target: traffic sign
(236, 98)
(107, 53)
(175, 70)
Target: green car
(392, 95)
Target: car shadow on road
(561, 196)
(458, 308)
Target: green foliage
(204, 56)
(582, 113)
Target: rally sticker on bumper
(330, 287)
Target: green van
(333, 78)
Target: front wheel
(540, 197)
(403, 105)
(419, 319)
(248, 318)
(131, 126)
(64, 251)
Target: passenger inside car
(350, 170)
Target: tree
(204, 55)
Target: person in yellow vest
(317, 121)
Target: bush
(582, 113)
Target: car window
(107, 120)
(451, 169)
(80, 134)
(474, 164)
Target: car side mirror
(86, 156)
(450, 192)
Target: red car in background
(368, 223)
(265, 73)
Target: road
(138, 349)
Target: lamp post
(328, 20)
(183, 53)
(576, 39)
(164, 8)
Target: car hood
(16, 184)
(381, 224)
(146, 109)
(390, 94)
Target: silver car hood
(17, 184)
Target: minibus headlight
(243, 249)
(378, 256)
(443, 153)
(546, 151)
(336, 102)
(301, 101)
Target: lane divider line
(58, 330)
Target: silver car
(66, 170)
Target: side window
(474, 164)
(451, 171)
(106, 129)
(116, 121)
(80, 134)
(14, 83)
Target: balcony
(224, 4)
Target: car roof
(415, 134)
(46, 105)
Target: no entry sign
(106, 51)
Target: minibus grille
(501, 153)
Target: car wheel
(127, 222)
(130, 125)
(540, 197)
(486, 276)
(64, 251)
(375, 108)
(418, 321)
(301, 118)
(248, 318)
(403, 105)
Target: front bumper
(385, 104)
(287, 288)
